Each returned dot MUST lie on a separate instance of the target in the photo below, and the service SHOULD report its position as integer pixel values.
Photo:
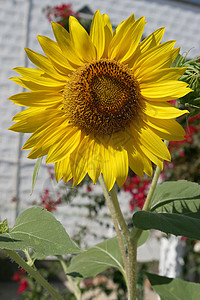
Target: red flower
(23, 285)
(138, 188)
(21, 280)
(89, 189)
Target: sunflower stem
(132, 268)
(118, 220)
(34, 273)
(75, 288)
(115, 222)
(131, 246)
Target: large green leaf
(176, 196)
(177, 224)
(101, 257)
(97, 259)
(38, 229)
(174, 289)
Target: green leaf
(143, 238)
(176, 196)
(38, 229)
(176, 224)
(97, 259)
(174, 288)
(4, 226)
(35, 172)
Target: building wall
(20, 22)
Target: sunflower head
(102, 97)
(98, 103)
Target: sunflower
(98, 102)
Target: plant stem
(76, 290)
(131, 246)
(113, 215)
(117, 216)
(30, 262)
(35, 274)
(132, 268)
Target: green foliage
(176, 197)
(143, 238)
(97, 259)
(192, 77)
(4, 226)
(178, 224)
(177, 210)
(174, 289)
(38, 229)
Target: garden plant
(99, 104)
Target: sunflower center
(102, 97)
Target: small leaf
(97, 259)
(4, 226)
(35, 172)
(176, 196)
(38, 229)
(177, 224)
(143, 238)
(174, 289)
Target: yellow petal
(37, 98)
(66, 168)
(162, 75)
(130, 41)
(63, 170)
(149, 42)
(44, 142)
(97, 34)
(58, 170)
(136, 164)
(153, 143)
(120, 165)
(147, 56)
(107, 167)
(164, 90)
(44, 63)
(120, 32)
(169, 127)
(67, 143)
(162, 110)
(33, 120)
(29, 112)
(40, 77)
(147, 165)
(48, 133)
(30, 85)
(108, 34)
(79, 160)
(55, 55)
(81, 40)
(95, 157)
(163, 60)
(156, 160)
(64, 42)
